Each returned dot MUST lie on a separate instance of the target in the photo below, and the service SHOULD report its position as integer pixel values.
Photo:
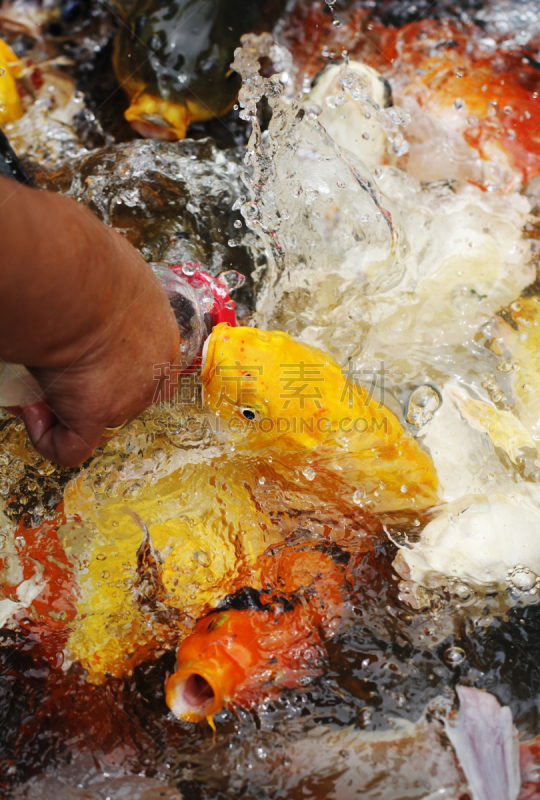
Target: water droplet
(506, 366)
(262, 480)
(522, 578)
(423, 403)
(454, 656)
(105, 574)
(458, 104)
(101, 556)
(309, 473)
(358, 496)
(2, 71)
(237, 223)
(462, 591)
(231, 278)
(202, 558)
(364, 717)
(189, 269)
(404, 488)
(515, 306)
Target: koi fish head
(269, 389)
(187, 77)
(211, 663)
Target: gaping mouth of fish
(154, 118)
(192, 695)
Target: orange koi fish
(37, 581)
(237, 656)
(494, 102)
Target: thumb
(55, 440)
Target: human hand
(90, 321)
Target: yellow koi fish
(204, 528)
(10, 68)
(270, 391)
(519, 336)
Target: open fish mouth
(192, 695)
(154, 118)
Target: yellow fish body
(271, 391)
(519, 328)
(10, 68)
(205, 527)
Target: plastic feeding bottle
(199, 302)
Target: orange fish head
(211, 663)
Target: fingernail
(38, 418)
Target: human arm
(84, 312)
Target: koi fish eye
(249, 413)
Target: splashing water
(412, 285)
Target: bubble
(454, 656)
(309, 473)
(202, 558)
(358, 496)
(462, 591)
(423, 403)
(506, 366)
(522, 578)
(231, 278)
(364, 717)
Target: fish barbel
(270, 391)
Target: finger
(56, 441)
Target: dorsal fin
(149, 581)
(486, 745)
